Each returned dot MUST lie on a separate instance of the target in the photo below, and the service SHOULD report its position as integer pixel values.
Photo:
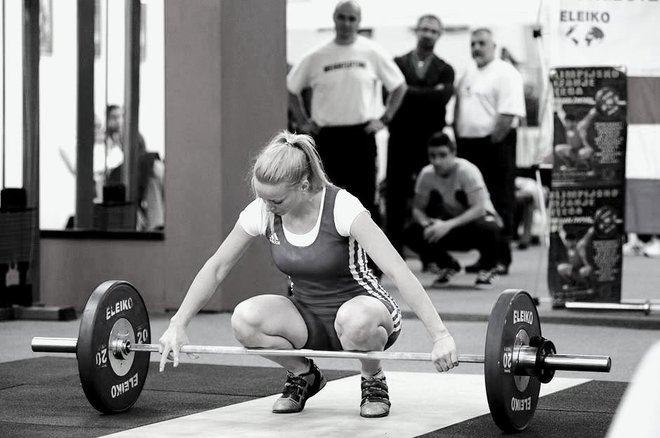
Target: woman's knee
(255, 316)
(246, 320)
(363, 324)
(268, 321)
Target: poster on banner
(588, 184)
(585, 259)
(589, 145)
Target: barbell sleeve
(526, 358)
(54, 345)
(577, 362)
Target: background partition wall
(224, 97)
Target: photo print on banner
(588, 184)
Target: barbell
(113, 348)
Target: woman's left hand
(444, 354)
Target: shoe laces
(446, 273)
(374, 389)
(295, 387)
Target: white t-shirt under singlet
(254, 219)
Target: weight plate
(512, 398)
(108, 388)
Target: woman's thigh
(270, 315)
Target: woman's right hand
(170, 344)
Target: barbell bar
(647, 307)
(557, 362)
(113, 348)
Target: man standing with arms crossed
(430, 83)
(489, 104)
(346, 76)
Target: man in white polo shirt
(489, 105)
(346, 76)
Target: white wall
(57, 114)
(11, 169)
(58, 96)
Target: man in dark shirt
(422, 113)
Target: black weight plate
(105, 390)
(512, 399)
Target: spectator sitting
(528, 208)
(422, 112)
(452, 210)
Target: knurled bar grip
(570, 362)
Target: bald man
(490, 102)
(346, 76)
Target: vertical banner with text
(588, 184)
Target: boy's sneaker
(444, 277)
(375, 398)
(431, 267)
(474, 268)
(501, 269)
(446, 273)
(485, 279)
(298, 389)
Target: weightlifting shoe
(298, 389)
(375, 398)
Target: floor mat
(42, 397)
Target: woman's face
(280, 198)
